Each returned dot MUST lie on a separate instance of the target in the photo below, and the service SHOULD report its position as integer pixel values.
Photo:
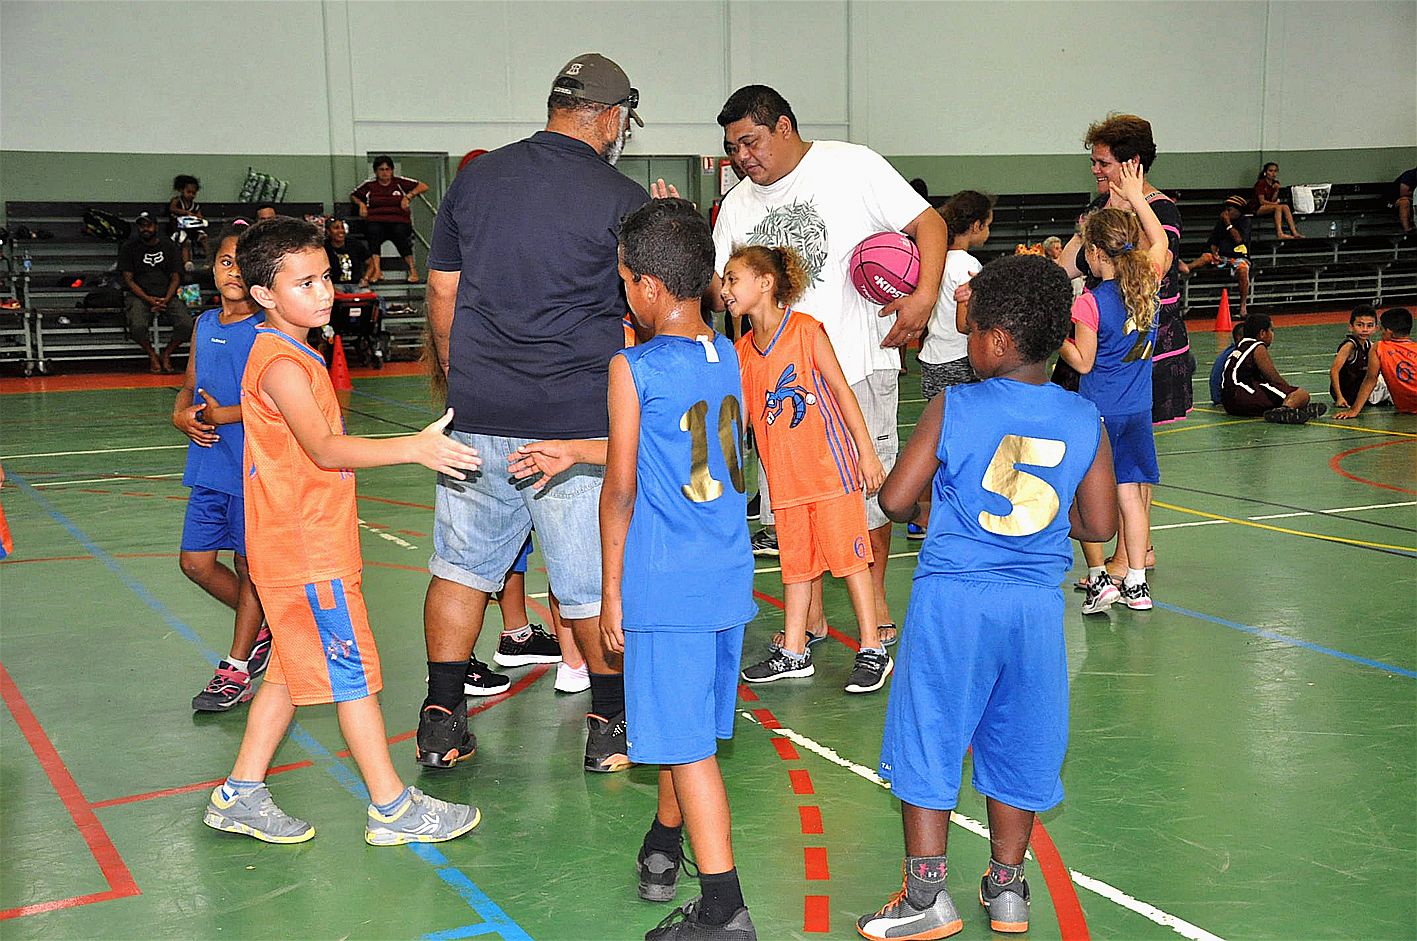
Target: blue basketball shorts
(519, 567)
(681, 689)
(214, 521)
(1133, 448)
(981, 663)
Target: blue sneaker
(914, 533)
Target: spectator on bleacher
(1229, 247)
(185, 222)
(350, 262)
(265, 211)
(1053, 251)
(1405, 184)
(151, 268)
(383, 205)
(1265, 202)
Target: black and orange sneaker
(1006, 904)
(606, 748)
(443, 736)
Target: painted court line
(488, 910)
(1279, 516)
(1148, 911)
(101, 480)
(155, 447)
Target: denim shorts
(480, 525)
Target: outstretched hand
(662, 190)
(548, 458)
(436, 451)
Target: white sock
(517, 633)
(243, 665)
(1135, 577)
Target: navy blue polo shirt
(532, 228)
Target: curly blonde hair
(782, 263)
(1117, 234)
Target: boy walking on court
(677, 568)
(216, 510)
(1393, 359)
(1015, 463)
(305, 560)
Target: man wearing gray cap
(525, 307)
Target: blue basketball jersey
(688, 563)
(1011, 457)
(1120, 380)
(221, 351)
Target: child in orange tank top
(302, 537)
(818, 455)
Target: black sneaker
(260, 653)
(765, 543)
(870, 672)
(755, 508)
(780, 666)
(443, 736)
(482, 681)
(606, 749)
(538, 647)
(684, 922)
(658, 874)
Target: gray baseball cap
(593, 77)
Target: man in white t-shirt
(822, 198)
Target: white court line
(1111, 893)
(103, 480)
(155, 447)
(386, 535)
(1281, 516)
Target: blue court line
(495, 920)
(466, 931)
(1291, 641)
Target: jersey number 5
(702, 487)
(1035, 502)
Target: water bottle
(27, 262)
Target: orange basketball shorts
(322, 648)
(829, 535)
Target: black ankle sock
(607, 694)
(445, 681)
(924, 879)
(723, 896)
(666, 840)
(1002, 874)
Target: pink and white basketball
(885, 267)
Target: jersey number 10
(702, 487)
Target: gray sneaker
(869, 672)
(900, 918)
(254, 813)
(423, 819)
(1007, 907)
(780, 666)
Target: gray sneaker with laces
(869, 672)
(423, 819)
(780, 666)
(255, 814)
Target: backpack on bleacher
(105, 225)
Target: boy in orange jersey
(303, 541)
(1394, 357)
(817, 451)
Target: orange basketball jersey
(1397, 359)
(801, 437)
(301, 521)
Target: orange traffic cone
(1223, 324)
(339, 368)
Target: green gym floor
(1243, 759)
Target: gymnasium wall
(991, 95)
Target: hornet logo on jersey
(788, 391)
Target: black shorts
(400, 233)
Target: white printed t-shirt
(836, 196)
(944, 343)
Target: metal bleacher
(1354, 252)
(53, 323)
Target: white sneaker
(572, 679)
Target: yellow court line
(1281, 529)
(1214, 424)
(1321, 424)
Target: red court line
(746, 693)
(831, 631)
(1071, 921)
(416, 506)
(1335, 464)
(785, 749)
(811, 817)
(816, 914)
(814, 863)
(766, 719)
(110, 863)
(186, 788)
(532, 675)
(801, 781)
